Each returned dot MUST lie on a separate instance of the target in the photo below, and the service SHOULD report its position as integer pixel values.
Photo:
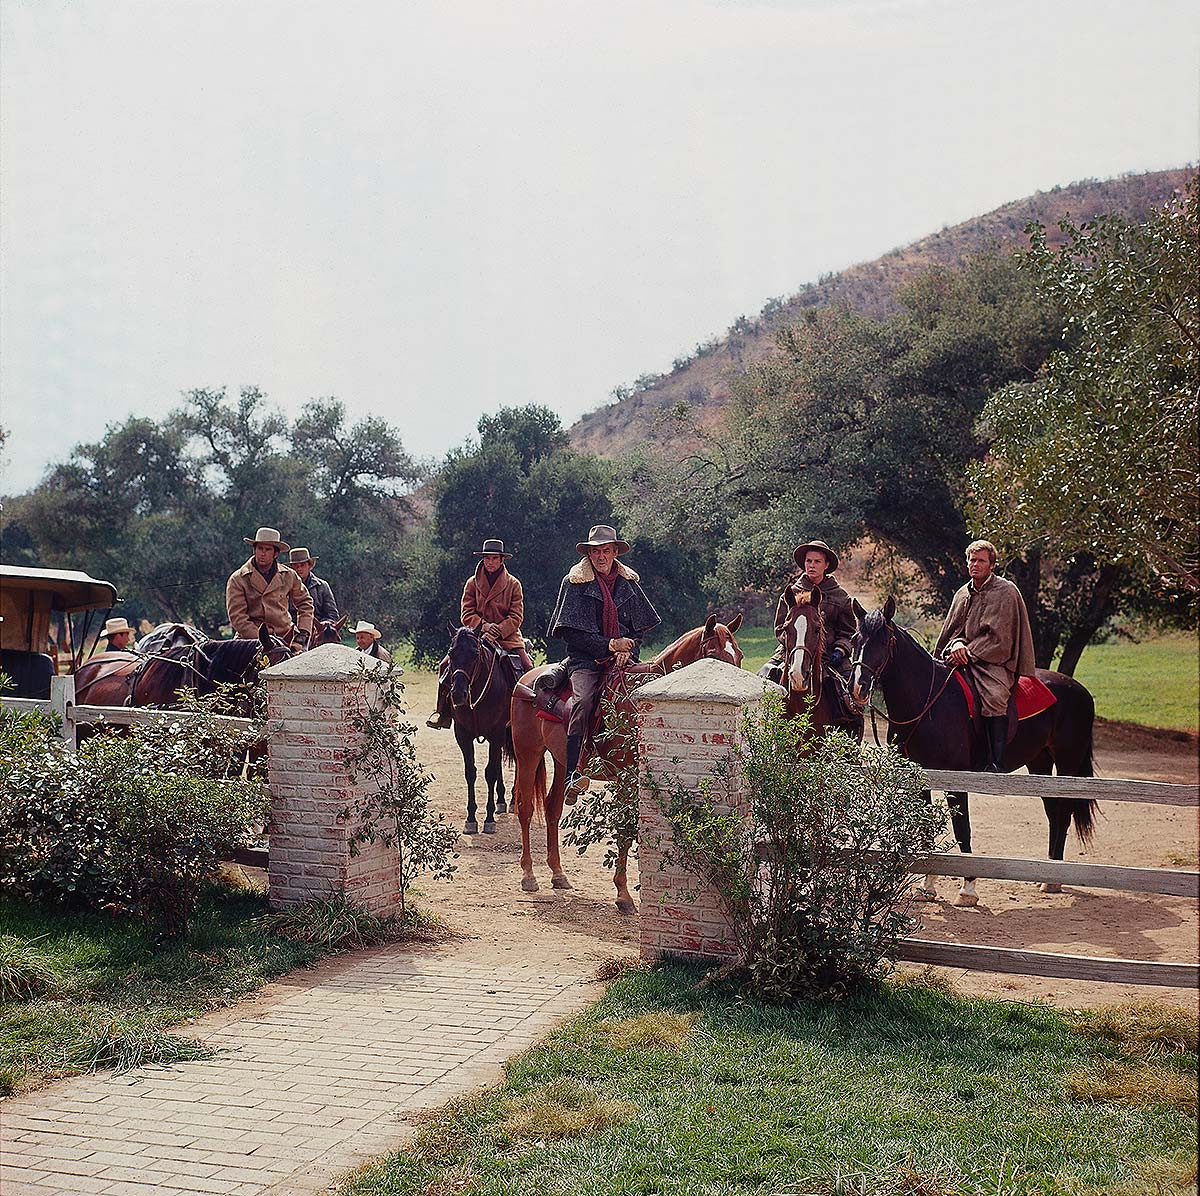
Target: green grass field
(910, 1090)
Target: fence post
(688, 721)
(310, 702)
(62, 700)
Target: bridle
(817, 654)
(472, 703)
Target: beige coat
(501, 605)
(251, 600)
(993, 625)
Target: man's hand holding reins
(956, 654)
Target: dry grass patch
(458, 1181)
(1134, 1083)
(1167, 1175)
(649, 1030)
(929, 977)
(563, 1109)
(616, 966)
(1145, 1023)
(903, 1179)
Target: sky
(430, 210)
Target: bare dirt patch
(485, 899)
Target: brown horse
(532, 737)
(129, 679)
(328, 631)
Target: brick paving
(321, 1075)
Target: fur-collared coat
(993, 624)
(577, 618)
(836, 614)
(502, 604)
(251, 599)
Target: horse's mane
(874, 623)
(659, 657)
(228, 660)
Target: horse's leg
(523, 787)
(501, 804)
(554, 809)
(927, 889)
(960, 820)
(625, 903)
(490, 774)
(1058, 814)
(467, 746)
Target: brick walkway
(318, 1078)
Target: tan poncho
(993, 624)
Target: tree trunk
(1101, 606)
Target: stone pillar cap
(329, 662)
(708, 680)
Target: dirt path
(485, 897)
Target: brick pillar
(310, 700)
(692, 714)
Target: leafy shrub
(812, 872)
(133, 821)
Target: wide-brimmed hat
(600, 535)
(370, 627)
(114, 627)
(491, 547)
(268, 535)
(816, 546)
(300, 556)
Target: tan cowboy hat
(816, 546)
(370, 627)
(268, 535)
(114, 627)
(600, 535)
(298, 556)
(491, 547)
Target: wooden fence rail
(1011, 784)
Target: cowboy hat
(816, 546)
(268, 535)
(114, 627)
(299, 556)
(368, 627)
(600, 535)
(491, 547)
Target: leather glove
(837, 658)
(621, 644)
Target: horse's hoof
(472, 828)
(528, 885)
(501, 807)
(560, 882)
(625, 906)
(967, 899)
(489, 828)
(925, 894)
(1049, 887)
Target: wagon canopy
(69, 589)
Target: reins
(487, 683)
(898, 722)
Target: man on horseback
(818, 563)
(324, 607)
(602, 615)
(119, 635)
(987, 631)
(493, 603)
(263, 590)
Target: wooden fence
(1172, 882)
(71, 716)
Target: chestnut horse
(129, 679)
(929, 723)
(532, 737)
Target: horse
(129, 679)
(805, 677)
(481, 686)
(327, 631)
(532, 737)
(929, 721)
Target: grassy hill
(702, 381)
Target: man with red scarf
(602, 616)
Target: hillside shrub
(812, 873)
(134, 821)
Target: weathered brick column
(692, 715)
(310, 700)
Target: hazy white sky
(432, 209)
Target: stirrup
(577, 783)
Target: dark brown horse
(532, 737)
(930, 724)
(328, 631)
(129, 679)
(481, 685)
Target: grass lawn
(911, 1090)
(108, 993)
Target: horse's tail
(1083, 813)
(539, 790)
(509, 751)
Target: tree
(1096, 457)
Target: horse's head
(466, 647)
(873, 645)
(716, 640)
(803, 641)
(328, 631)
(274, 651)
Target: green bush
(813, 873)
(132, 821)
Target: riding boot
(576, 784)
(997, 735)
(441, 717)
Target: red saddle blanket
(1032, 696)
